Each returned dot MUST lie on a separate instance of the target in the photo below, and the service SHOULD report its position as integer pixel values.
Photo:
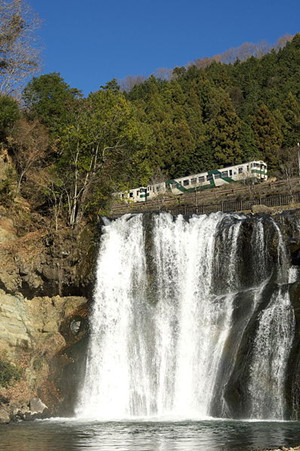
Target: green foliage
(248, 145)
(50, 99)
(267, 135)
(8, 373)
(7, 187)
(97, 149)
(224, 129)
(291, 114)
(206, 116)
(112, 86)
(9, 113)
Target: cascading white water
(159, 323)
(192, 322)
(272, 344)
(120, 271)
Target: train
(256, 170)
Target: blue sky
(90, 42)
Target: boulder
(37, 406)
(4, 416)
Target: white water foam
(159, 329)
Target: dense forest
(70, 153)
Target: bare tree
(29, 142)
(282, 41)
(163, 73)
(43, 180)
(129, 82)
(201, 63)
(243, 52)
(19, 54)
(288, 162)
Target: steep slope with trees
(70, 153)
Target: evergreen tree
(224, 129)
(112, 86)
(50, 99)
(291, 113)
(268, 136)
(248, 144)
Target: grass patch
(9, 373)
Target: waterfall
(271, 347)
(163, 315)
(272, 343)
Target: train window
(130, 194)
(230, 172)
(224, 174)
(217, 176)
(248, 168)
(209, 177)
(193, 181)
(186, 182)
(240, 170)
(201, 179)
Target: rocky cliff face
(45, 283)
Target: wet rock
(294, 245)
(19, 413)
(75, 326)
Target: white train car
(197, 182)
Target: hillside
(69, 153)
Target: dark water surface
(214, 435)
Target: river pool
(210, 435)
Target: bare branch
(19, 54)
